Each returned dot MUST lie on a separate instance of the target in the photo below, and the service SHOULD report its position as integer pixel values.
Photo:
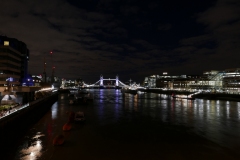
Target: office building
(14, 77)
(14, 57)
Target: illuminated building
(210, 80)
(150, 81)
(175, 82)
(231, 80)
(227, 80)
(14, 57)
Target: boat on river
(82, 96)
(180, 97)
(129, 90)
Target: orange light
(67, 126)
(58, 140)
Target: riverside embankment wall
(16, 124)
(218, 96)
(169, 92)
(210, 96)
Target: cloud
(59, 26)
(123, 37)
(198, 40)
(224, 12)
(217, 47)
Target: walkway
(13, 110)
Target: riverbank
(218, 96)
(168, 92)
(16, 124)
(209, 95)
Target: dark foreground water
(143, 127)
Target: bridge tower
(101, 80)
(116, 80)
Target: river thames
(143, 126)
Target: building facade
(14, 57)
(176, 82)
(231, 80)
(227, 80)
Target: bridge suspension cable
(122, 83)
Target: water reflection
(238, 110)
(54, 110)
(211, 119)
(215, 120)
(135, 103)
(34, 150)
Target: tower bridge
(100, 83)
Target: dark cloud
(224, 12)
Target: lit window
(6, 43)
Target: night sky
(131, 38)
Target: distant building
(231, 80)
(34, 80)
(169, 81)
(215, 81)
(210, 80)
(150, 81)
(180, 82)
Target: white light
(38, 143)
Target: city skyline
(132, 39)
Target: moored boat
(188, 98)
(129, 90)
(81, 97)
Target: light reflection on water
(239, 110)
(54, 110)
(34, 151)
(217, 120)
